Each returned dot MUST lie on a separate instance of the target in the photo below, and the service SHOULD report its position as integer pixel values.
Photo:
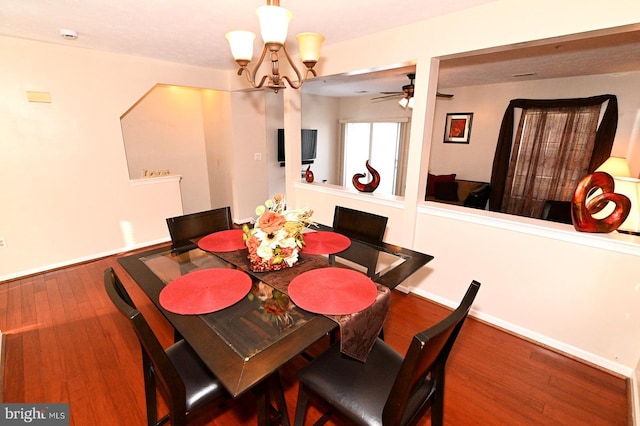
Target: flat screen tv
(309, 142)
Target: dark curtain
(601, 151)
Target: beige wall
(165, 130)
(488, 103)
(576, 292)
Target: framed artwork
(457, 129)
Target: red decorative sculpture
(582, 210)
(366, 187)
(308, 175)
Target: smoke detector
(68, 34)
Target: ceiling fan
(407, 91)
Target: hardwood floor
(65, 342)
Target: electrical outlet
(3, 242)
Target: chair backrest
(557, 211)
(170, 382)
(425, 359)
(187, 227)
(360, 225)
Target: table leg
(270, 388)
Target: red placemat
(205, 291)
(323, 242)
(228, 240)
(332, 291)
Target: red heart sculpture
(582, 210)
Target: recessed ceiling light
(68, 34)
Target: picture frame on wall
(457, 128)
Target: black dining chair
(183, 229)
(185, 383)
(388, 389)
(363, 226)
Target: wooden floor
(65, 342)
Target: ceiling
(192, 32)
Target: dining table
(247, 324)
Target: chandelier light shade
(274, 24)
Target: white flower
(291, 260)
(288, 242)
(265, 251)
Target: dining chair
(363, 226)
(557, 211)
(185, 383)
(388, 389)
(183, 229)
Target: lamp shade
(310, 45)
(616, 167)
(241, 43)
(274, 23)
(631, 188)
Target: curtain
(602, 142)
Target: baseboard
(71, 262)
(553, 344)
(2, 350)
(634, 399)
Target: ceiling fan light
(404, 102)
(274, 23)
(241, 43)
(310, 45)
(411, 101)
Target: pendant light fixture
(274, 23)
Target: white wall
(165, 131)
(66, 193)
(321, 113)
(219, 146)
(488, 103)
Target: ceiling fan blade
(444, 95)
(391, 93)
(387, 96)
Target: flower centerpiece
(276, 237)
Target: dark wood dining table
(247, 342)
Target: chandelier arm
(300, 79)
(251, 75)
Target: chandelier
(274, 23)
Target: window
(558, 141)
(550, 155)
(384, 145)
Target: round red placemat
(205, 291)
(324, 242)
(228, 240)
(332, 291)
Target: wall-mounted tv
(309, 142)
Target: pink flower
(271, 222)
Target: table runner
(358, 331)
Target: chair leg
(301, 406)
(437, 408)
(150, 393)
